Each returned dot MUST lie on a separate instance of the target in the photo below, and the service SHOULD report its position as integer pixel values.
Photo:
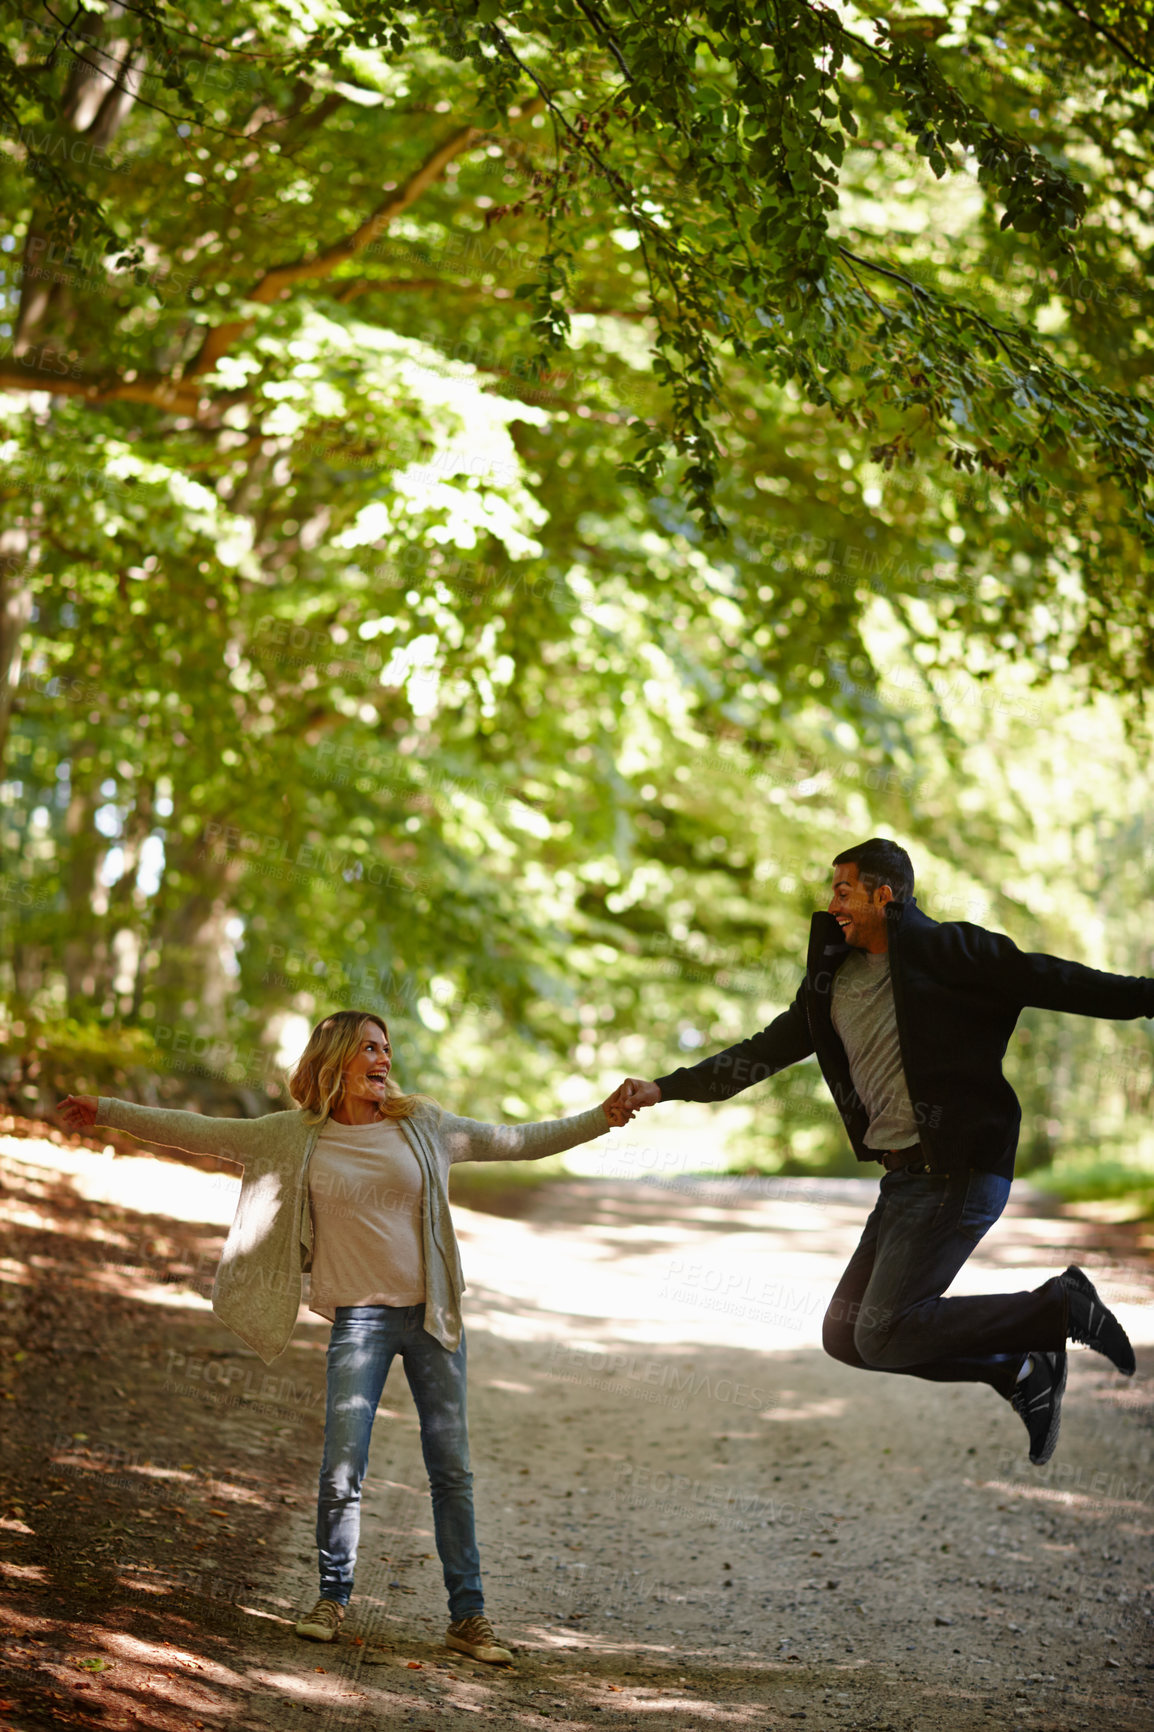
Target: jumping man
(910, 1020)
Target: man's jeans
(362, 1346)
(888, 1314)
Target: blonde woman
(353, 1186)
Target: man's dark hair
(879, 861)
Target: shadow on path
(679, 1527)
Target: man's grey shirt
(867, 1025)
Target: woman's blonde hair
(317, 1083)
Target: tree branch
(102, 72)
(183, 396)
(277, 281)
(177, 396)
(207, 41)
(1100, 29)
(349, 291)
(917, 289)
(357, 286)
(602, 29)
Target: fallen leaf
(415, 1665)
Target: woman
(353, 1186)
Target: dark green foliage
(426, 435)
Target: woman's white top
(365, 1190)
(270, 1243)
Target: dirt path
(688, 1515)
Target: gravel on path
(688, 1515)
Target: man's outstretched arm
(1052, 983)
(786, 1041)
(988, 959)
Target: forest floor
(688, 1516)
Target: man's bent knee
(837, 1335)
(873, 1338)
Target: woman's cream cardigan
(257, 1290)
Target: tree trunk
(15, 613)
(101, 90)
(84, 961)
(189, 988)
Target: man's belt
(915, 1159)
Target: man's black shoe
(1091, 1323)
(1038, 1398)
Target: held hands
(623, 1104)
(78, 1112)
(615, 1109)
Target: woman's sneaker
(1038, 1400)
(322, 1623)
(475, 1636)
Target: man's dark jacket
(958, 992)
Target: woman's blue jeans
(364, 1341)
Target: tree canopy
(467, 467)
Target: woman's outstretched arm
(193, 1133)
(474, 1140)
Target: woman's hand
(78, 1112)
(615, 1108)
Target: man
(909, 1020)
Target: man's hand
(638, 1093)
(79, 1112)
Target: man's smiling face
(860, 913)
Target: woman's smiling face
(367, 1071)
